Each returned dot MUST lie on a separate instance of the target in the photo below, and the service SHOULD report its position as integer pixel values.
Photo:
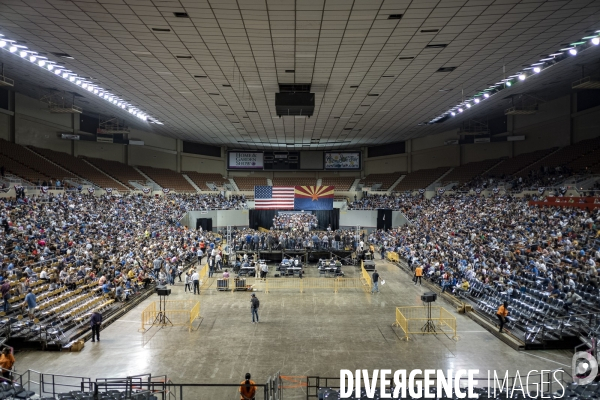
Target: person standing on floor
(375, 282)
(248, 388)
(188, 282)
(502, 314)
(95, 322)
(7, 360)
(196, 281)
(254, 304)
(418, 274)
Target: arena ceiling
(209, 70)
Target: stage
(306, 256)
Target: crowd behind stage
(462, 239)
(295, 221)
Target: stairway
(537, 162)
(391, 189)
(438, 180)
(155, 185)
(119, 188)
(187, 178)
(52, 162)
(355, 184)
(233, 184)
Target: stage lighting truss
(33, 57)
(521, 76)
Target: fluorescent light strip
(573, 50)
(42, 62)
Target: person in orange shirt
(502, 314)
(247, 389)
(418, 274)
(7, 360)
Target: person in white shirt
(196, 281)
(264, 271)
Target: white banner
(245, 160)
(342, 160)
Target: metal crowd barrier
(413, 320)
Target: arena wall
(553, 125)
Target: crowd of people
(295, 221)
(121, 243)
(252, 240)
(494, 240)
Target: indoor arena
(299, 200)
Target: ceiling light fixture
(476, 101)
(48, 65)
(549, 60)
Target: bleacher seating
(246, 183)
(119, 171)
(300, 181)
(340, 183)
(28, 161)
(201, 179)
(80, 167)
(21, 170)
(420, 179)
(467, 172)
(564, 156)
(167, 178)
(517, 163)
(386, 180)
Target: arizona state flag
(313, 198)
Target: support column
(179, 147)
(12, 120)
(408, 149)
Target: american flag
(274, 197)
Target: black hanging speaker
(428, 297)
(294, 103)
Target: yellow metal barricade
(413, 320)
(177, 313)
(367, 281)
(149, 315)
(392, 256)
(333, 284)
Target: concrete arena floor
(311, 333)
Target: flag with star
(313, 197)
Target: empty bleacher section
(588, 163)
(466, 172)
(294, 181)
(340, 183)
(246, 183)
(203, 180)
(386, 180)
(564, 156)
(420, 179)
(26, 161)
(169, 179)
(79, 167)
(515, 164)
(119, 171)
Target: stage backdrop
(264, 218)
(301, 198)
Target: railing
(593, 320)
(335, 284)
